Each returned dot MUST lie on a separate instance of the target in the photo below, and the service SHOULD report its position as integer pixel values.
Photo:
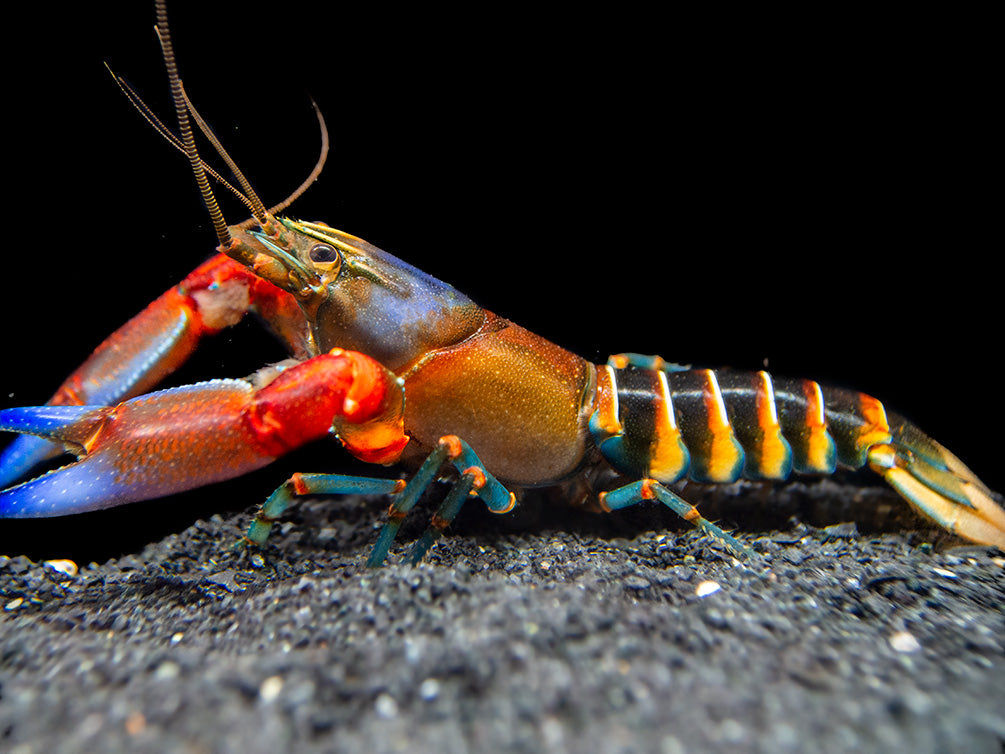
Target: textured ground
(608, 634)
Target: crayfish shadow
(101, 535)
(350, 523)
(749, 508)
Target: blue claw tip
(44, 421)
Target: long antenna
(317, 167)
(185, 128)
(260, 213)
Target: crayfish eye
(324, 255)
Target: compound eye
(324, 256)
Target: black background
(803, 193)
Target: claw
(155, 342)
(164, 442)
(940, 486)
(62, 424)
(22, 455)
(186, 437)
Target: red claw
(186, 437)
(154, 343)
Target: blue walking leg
(475, 480)
(314, 484)
(650, 489)
(444, 515)
(455, 451)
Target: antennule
(257, 208)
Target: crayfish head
(368, 300)
(353, 294)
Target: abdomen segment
(661, 422)
(718, 426)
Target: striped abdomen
(716, 426)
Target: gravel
(565, 633)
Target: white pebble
(386, 706)
(63, 566)
(706, 588)
(902, 641)
(429, 689)
(270, 688)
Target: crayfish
(400, 367)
